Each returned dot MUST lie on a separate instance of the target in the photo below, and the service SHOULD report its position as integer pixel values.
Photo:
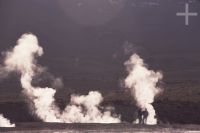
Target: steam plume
(85, 109)
(81, 108)
(5, 122)
(143, 85)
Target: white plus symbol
(186, 14)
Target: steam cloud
(5, 122)
(85, 108)
(81, 109)
(143, 85)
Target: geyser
(5, 122)
(142, 83)
(85, 108)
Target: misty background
(86, 42)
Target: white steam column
(143, 85)
(81, 109)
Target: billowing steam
(81, 108)
(5, 122)
(143, 85)
(85, 109)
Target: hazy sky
(86, 41)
